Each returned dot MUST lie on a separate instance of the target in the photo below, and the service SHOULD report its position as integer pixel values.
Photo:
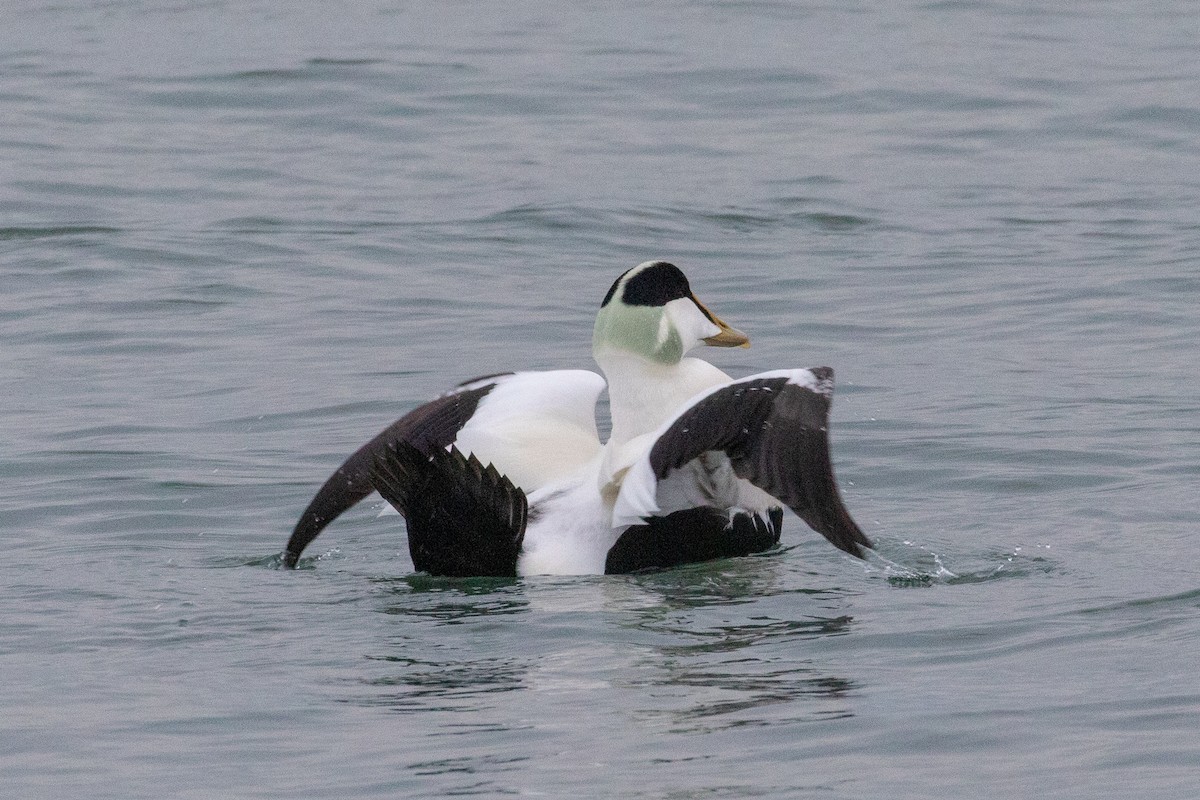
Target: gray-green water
(238, 239)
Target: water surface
(237, 241)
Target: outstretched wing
(774, 429)
(428, 427)
(531, 425)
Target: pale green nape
(635, 328)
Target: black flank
(692, 535)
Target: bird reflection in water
(707, 647)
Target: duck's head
(650, 311)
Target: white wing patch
(536, 427)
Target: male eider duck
(697, 466)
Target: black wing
(464, 520)
(774, 429)
(431, 426)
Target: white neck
(644, 394)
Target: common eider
(506, 475)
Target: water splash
(928, 568)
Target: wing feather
(774, 429)
(431, 426)
(463, 519)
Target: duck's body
(696, 466)
(568, 533)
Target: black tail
(464, 520)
